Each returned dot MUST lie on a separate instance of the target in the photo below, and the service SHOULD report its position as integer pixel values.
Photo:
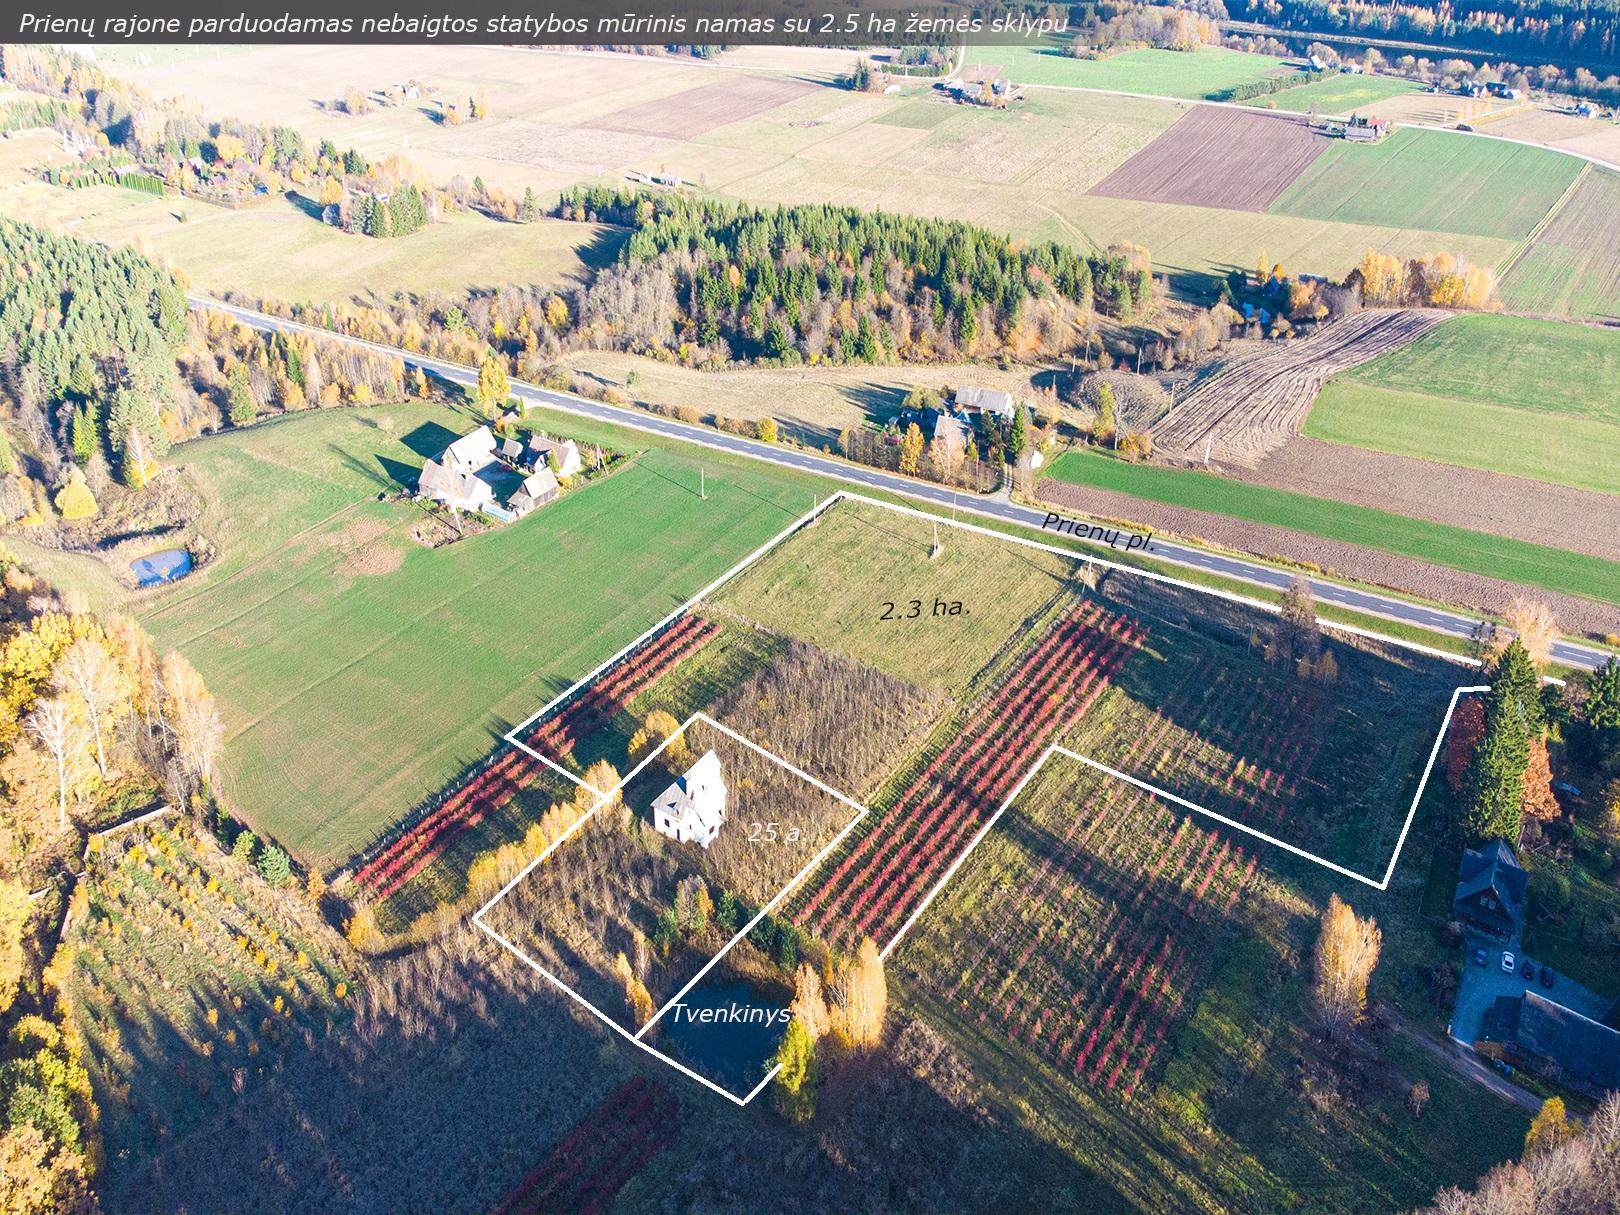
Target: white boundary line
(1054, 749)
(1070, 554)
(810, 867)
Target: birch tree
(1346, 953)
(191, 718)
(57, 725)
(87, 670)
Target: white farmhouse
(693, 807)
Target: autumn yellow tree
(493, 386)
(74, 500)
(1550, 1127)
(809, 1007)
(911, 449)
(13, 922)
(1346, 952)
(87, 671)
(863, 999)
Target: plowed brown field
(1218, 156)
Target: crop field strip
(873, 889)
(1492, 188)
(1096, 949)
(1573, 265)
(1473, 392)
(1191, 163)
(600, 1155)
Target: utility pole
(703, 485)
(937, 550)
(1206, 453)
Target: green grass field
(1476, 552)
(1573, 266)
(1191, 74)
(359, 671)
(1567, 451)
(1442, 181)
(1509, 394)
(1546, 366)
(831, 585)
(1341, 94)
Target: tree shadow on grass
(429, 439)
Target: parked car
(1507, 962)
(1546, 976)
(1479, 957)
(1527, 968)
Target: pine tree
(86, 438)
(530, 211)
(1515, 684)
(1494, 789)
(273, 866)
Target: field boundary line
(1545, 222)
(1056, 749)
(775, 901)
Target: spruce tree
(239, 397)
(1018, 439)
(1514, 682)
(1494, 789)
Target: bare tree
(57, 725)
(191, 718)
(87, 670)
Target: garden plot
(1085, 925)
(879, 689)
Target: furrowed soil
(1347, 560)
(1580, 520)
(1192, 161)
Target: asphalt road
(1172, 552)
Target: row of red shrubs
(875, 887)
(605, 1149)
(465, 805)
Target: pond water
(158, 568)
(726, 1031)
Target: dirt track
(1258, 401)
(1347, 560)
(1576, 519)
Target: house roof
(545, 445)
(476, 447)
(945, 424)
(536, 486)
(699, 795)
(990, 400)
(1546, 1031)
(1493, 868)
(511, 449)
(449, 484)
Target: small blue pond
(725, 1031)
(161, 567)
